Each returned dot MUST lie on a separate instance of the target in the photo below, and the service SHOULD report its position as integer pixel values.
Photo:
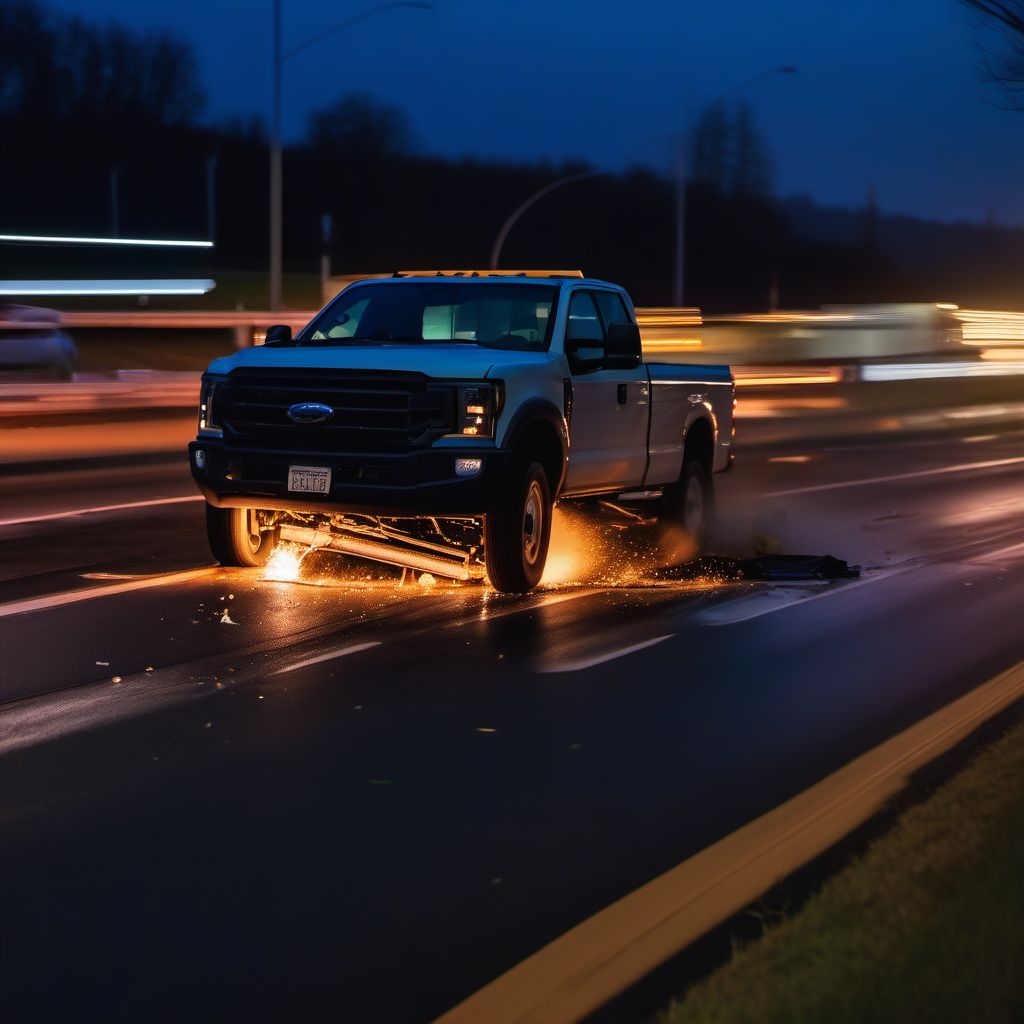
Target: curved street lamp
(499, 242)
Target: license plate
(311, 479)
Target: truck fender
(529, 415)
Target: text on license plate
(312, 479)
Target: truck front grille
(372, 410)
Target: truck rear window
(508, 316)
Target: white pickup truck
(431, 421)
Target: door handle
(622, 393)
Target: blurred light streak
(664, 329)
(771, 408)
(991, 328)
(165, 286)
(181, 243)
(932, 371)
(756, 377)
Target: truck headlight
(209, 421)
(478, 408)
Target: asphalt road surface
(227, 798)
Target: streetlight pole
(499, 241)
(276, 223)
(276, 178)
(679, 282)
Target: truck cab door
(610, 407)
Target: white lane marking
(590, 964)
(545, 602)
(753, 606)
(36, 604)
(999, 554)
(329, 656)
(99, 508)
(584, 663)
(963, 468)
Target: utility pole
(326, 237)
(276, 180)
(115, 216)
(276, 225)
(211, 198)
(680, 254)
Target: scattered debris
(798, 567)
(226, 619)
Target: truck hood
(440, 361)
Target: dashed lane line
(965, 467)
(98, 509)
(38, 604)
(329, 656)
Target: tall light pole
(499, 241)
(678, 285)
(276, 178)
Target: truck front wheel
(235, 536)
(517, 531)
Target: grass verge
(928, 925)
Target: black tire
(517, 531)
(232, 543)
(689, 505)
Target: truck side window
(584, 323)
(613, 311)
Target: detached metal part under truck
(432, 420)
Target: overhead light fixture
(180, 243)
(167, 286)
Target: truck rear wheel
(517, 531)
(689, 505)
(235, 537)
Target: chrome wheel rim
(533, 523)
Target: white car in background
(32, 343)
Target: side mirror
(279, 334)
(584, 355)
(624, 348)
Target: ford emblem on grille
(310, 412)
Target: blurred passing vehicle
(31, 343)
(431, 420)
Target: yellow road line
(598, 959)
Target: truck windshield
(508, 316)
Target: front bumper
(414, 483)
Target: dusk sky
(887, 93)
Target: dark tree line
(79, 100)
